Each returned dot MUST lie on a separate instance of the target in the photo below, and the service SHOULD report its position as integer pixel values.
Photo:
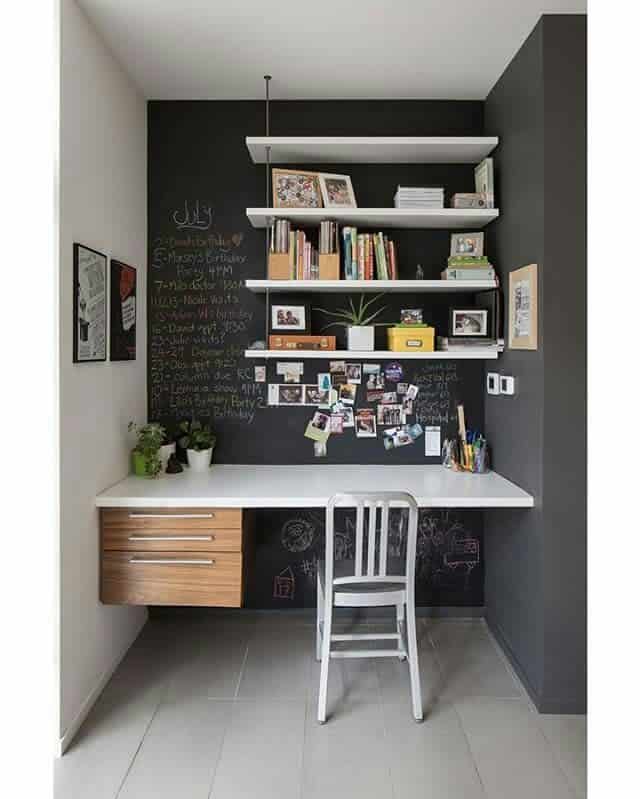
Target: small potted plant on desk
(359, 323)
(146, 453)
(199, 441)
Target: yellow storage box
(418, 338)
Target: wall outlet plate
(493, 383)
(507, 385)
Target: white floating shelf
(379, 355)
(371, 149)
(387, 286)
(418, 218)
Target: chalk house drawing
(297, 535)
(284, 584)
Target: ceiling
(333, 49)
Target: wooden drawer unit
(172, 578)
(171, 556)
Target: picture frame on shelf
(523, 308)
(337, 191)
(294, 188)
(290, 318)
(89, 304)
(469, 322)
(483, 174)
(467, 244)
(122, 311)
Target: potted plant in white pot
(199, 441)
(145, 456)
(359, 323)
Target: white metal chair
(368, 583)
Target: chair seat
(346, 568)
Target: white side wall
(102, 203)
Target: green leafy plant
(149, 438)
(355, 316)
(196, 436)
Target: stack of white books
(419, 197)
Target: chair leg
(319, 606)
(399, 623)
(324, 665)
(414, 670)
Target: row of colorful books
(303, 257)
(368, 256)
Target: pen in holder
(468, 451)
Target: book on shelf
(468, 274)
(462, 343)
(419, 197)
(468, 260)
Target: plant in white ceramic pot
(199, 441)
(145, 455)
(358, 320)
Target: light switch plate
(507, 385)
(493, 383)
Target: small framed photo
(337, 191)
(469, 322)
(295, 189)
(467, 244)
(523, 308)
(289, 318)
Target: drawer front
(172, 578)
(176, 540)
(169, 519)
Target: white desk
(311, 487)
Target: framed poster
(523, 308)
(122, 314)
(89, 305)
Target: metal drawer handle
(172, 515)
(173, 561)
(171, 537)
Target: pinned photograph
(407, 406)
(366, 423)
(390, 415)
(411, 316)
(260, 374)
(290, 371)
(401, 388)
(347, 393)
(375, 395)
(389, 398)
(289, 317)
(290, 395)
(316, 396)
(319, 428)
(393, 372)
(337, 191)
(412, 392)
(354, 373)
(346, 411)
(468, 244)
(338, 371)
(337, 423)
(469, 322)
(324, 381)
(320, 449)
(373, 376)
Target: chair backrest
(371, 554)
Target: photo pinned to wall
(354, 373)
(523, 308)
(366, 423)
(390, 415)
(291, 371)
(389, 397)
(122, 322)
(296, 189)
(320, 449)
(401, 436)
(290, 394)
(346, 411)
(469, 322)
(393, 372)
(319, 428)
(338, 372)
(412, 391)
(401, 388)
(324, 381)
(467, 244)
(337, 191)
(323, 398)
(347, 393)
(373, 377)
(407, 406)
(260, 374)
(289, 318)
(337, 423)
(89, 305)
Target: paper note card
(432, 442)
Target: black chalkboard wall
(201, 318)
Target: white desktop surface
(311, 486)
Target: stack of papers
(419, 197)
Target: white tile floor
(224, 707)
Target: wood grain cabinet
(170, 556)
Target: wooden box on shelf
(279, 266)
(329, 264)
(302, 342)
